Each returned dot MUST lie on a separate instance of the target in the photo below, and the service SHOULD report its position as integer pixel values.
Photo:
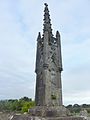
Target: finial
(46, 4)
(47, 20)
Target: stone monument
(48, 66)
(48, 96)
(48, 70)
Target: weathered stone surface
(84, 113)
(28, 117)
(51, 111)
(48, 66)
(6, 115)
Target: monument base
(50, 111)
(28, 117)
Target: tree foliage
(25, 103)
(77, 108)
(21, 105)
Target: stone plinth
(28, 117)
(51, 111)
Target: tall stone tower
(48, 70)
(48, 66)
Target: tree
(25, 99)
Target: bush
(27, 105)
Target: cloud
(75, 97)
(16, 63)
(76, 71)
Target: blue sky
(20, 22)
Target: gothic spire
(47, 20)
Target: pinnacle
(45, 4)
(47, 20)
(39, 37)
(57, 33)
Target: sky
(20, 22)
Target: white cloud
(76, 75)
(16, 63)
(77, 98)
